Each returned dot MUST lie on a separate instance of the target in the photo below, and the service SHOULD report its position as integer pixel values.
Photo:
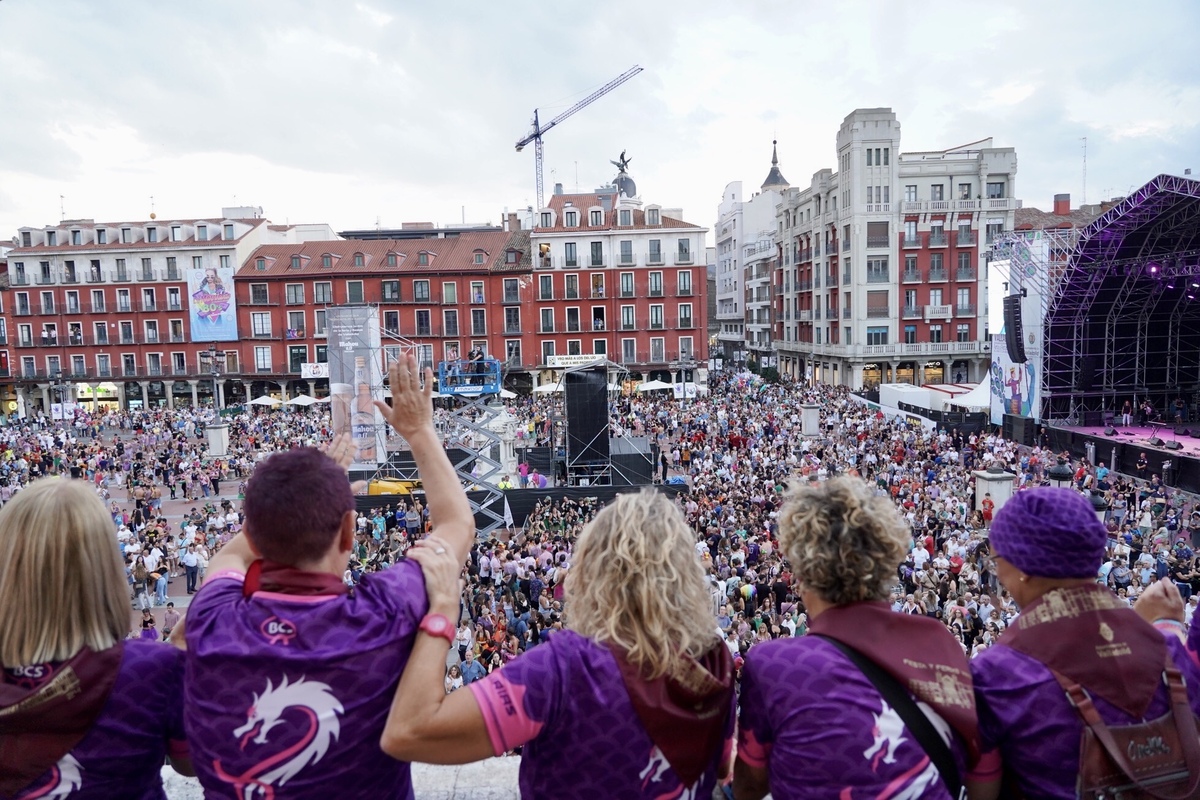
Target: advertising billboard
(211, 311)
(356, 381)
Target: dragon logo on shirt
(315, 703)
(658, 770)
(66, 777)
(889, 735)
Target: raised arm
(411, 414)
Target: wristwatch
(438, 625)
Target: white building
(883, 262)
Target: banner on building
(310, 370)
(356, 381)
(211, 310)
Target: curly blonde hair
(635, 582)
(843, 541)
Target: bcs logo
(30, 675)
(278, 630)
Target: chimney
(558, 188)
(514, 222)
(1062, 205)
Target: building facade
(102, 314)
(883, 262)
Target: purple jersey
(1025, 713)
(287, 695)
(567, 702)
(821, 729)
(141, 723)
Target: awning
(980, 397)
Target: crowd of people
(754, 587)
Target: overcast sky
(358, 113)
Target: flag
(508, 517)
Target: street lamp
(1060, 474)
(58, 385)
(1099, 505)
(213, 355)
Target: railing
(147, 306)
(260, 301)
(878, 208)
(24, 342)
(831, 280)
(911, 312)
(939, 205)
(877, 241)
(20, 280)
(878, 277)
(804, 285)
(683, 258)
(937, 240)
(816, 313)
(965, 310)
(95, 277)
(628, 325)
(177, 338)
(70, 277)
(846, 313)
(845, 245)
(878, 312)
(846, 276)
(512, 297)
(686, 322)
(965, 239)
(626, 259)
(23, 311)
(964, 274)
(804, 315)
(47, 308)
(912, 241)
(684, 292)
(173, 274)
(938, 275)
(654, 258)
(594, 261)
(817, 250)
(911, 276)
(816, 281)
(938, 311)
(122, 275)
(45, 280)
(655, 292)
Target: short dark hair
(295, 501)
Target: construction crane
(535, 135)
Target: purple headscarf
(1050, 533)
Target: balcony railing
(911, 276)
(686, 322)
(912, 312)
(938, 275)
(912, 241)
(95, 277)
(20, 280)
(23, 311)
(683, 258)
(878, 312)
(965, 310)
(877, 241)
(878, 277)
(173, 274)
(964, 274)
(965, 239)
(47, 308)
(70, 277)
(683, 292)
(938, 311)
(656, 291)
(937, 239)
(45, 280)
(846, 313)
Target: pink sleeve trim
(751, 751)
(233, 574)
(989, 768)
(502, 704)
(178, 748)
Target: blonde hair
(635, 582)
(843, 541)
(62, 584)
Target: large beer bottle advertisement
(356, 381)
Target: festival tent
(654, 386)
(264, 401)
(507, 395)
(300, 400)
(546, 388)
(979, 397)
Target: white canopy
(654, 386)
(979, 397)
(324, 400)
(507, 395)
(264, 401)
(546, 388)
(300, 400)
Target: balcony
(878, 312)
(122, 275)
(147, 306)
(683, 291)
(177, 338)
(571, 294)
(804, 315)
(173, 274)
(70, 277)
(94, 308)
(49, 341)
(831, 280)
(877, 241)
(1001, 204)
(45, 280)
(655, 291)
(512, 330)
(817, 250)
(174, 306)
(805, 255)
(95, 277)
(628, 325)
(546, 328)
(846, 276)
(23, 311)
(938, 312)
(964, 310)
(146, 274)
(654, 258)
(816, 281)
(938, 239)
(264, 335)
(878, 277)
(682, 258)
(938, 275)
(47, 309)
(846, 313)
(686, 323)
(845, 245)
(22, 342)
(124, 308)
(260, 300)
(804, 285)
(966, 239)
(912, 241)
(655, 324)
(20, 280)
(911, 276)
(817, 314)
(511, 298)
(294, 333)
(626, 260)
(911, 312)
(964, 274)
(596, 262)
(879, 208)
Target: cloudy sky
(382, 111)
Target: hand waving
(412, 407)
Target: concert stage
(1121, 451)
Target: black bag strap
(914, 718)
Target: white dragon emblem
(314, 700)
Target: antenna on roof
(1084, 169)
(62, 213)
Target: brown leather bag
(1156, 759)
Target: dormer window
(391, 260)
(625, 217)
(423, 259)
(126, 235)
(176, 233)
(596, 218)
(76, 237)
(572, 219)
(260, 264)
(479, 258)
(653, 216)
(358, 259)
(547, 219)
(295, 262)
(152, 234)
(51, 238)
(201, 233)
(326, 261)
(101, 236)
(512, 256)
(229, 231)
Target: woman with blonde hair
(83, 711)
(634, 700)
(836, 712)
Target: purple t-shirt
(288, 695)
(566, 702)
(1025, 713)
(821, 728)
(141, 723)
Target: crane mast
(538, 130)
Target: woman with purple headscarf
(1049, 547)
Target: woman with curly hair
(634, 701)
(812, 723)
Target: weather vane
(622, 163)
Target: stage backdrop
(356, 381)
(211, 311)
(1016, 388)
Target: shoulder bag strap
(1185, 726)
(914, 718)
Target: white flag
(508, 517)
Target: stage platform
(1177, 467)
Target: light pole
(58, 386)
(215, 370)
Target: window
(995, 227)
(572, 218)
(126, 332)
(964, 191)
(964, 264)
(570, 257)
(295, 326)
(626, 252)
(935, 334)
(572, 320)
(262, 359)
(876, 336)
(685, 347)
(101, 236)
(98, 299)
(260, 264)
(545, 287)
(936, 265)
(512, 320)
(450, 322)
(547, 350)
(877, 270)
(421, 291)
(358, 260)
(995, 190)
(597, 284)
(935, 192)
(449, 293)
(326, 261)
(656, 284)
(628, 351)
(869, 161)
(512, 350)
(935, 297)
(685, 315)
(963, 332)
(319, 322)
(910, 334)
(148, 299)
(653, 216)
(295, 294)
(176, 330)
(391, 260)
(201, 233)
(258, 294)
(354, 291)
(656, 316)
(423, 259)
(685, 251)
(123, 303)
(126, 235)
(391, 322)
(547, 320)
(625, 217)
(658, 350)
(655, 255)
(596, 218)
(574, 347)
(546, 219)
(683, 283)
(390, 291)
(322, 353)
(571, 285)
(260, 323)
(478, 322)
(479, 257)
(626, 284)
(476, 291)
(228, 230)
(423, 322)
(151, 331)
(323, 292)
(597, 254)
(910, 193)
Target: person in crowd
(84, 712)
(289, 670)
(635, 700)
(812, 722)
(1071, 632)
